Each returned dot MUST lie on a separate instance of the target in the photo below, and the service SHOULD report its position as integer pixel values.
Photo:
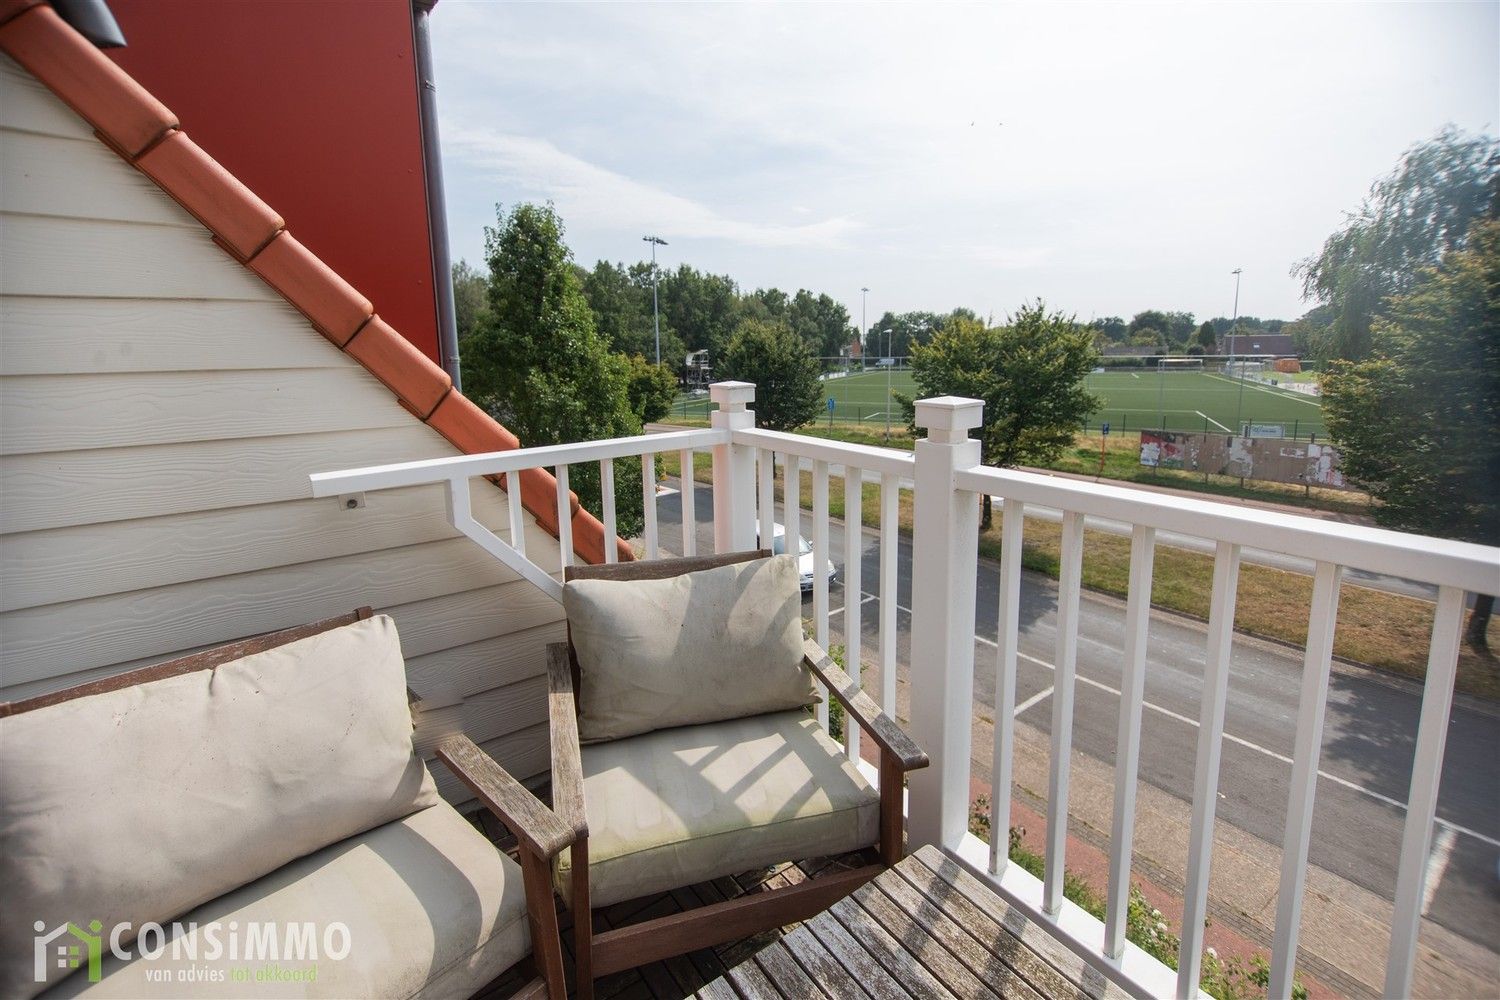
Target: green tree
(1179, 328)
(1417, 421)
(821, 322)
(1411, 218)
(470, 297)
(908, 329)
(1311, 337)
(1150, 340)
(1149, 319)
(1030, 374)
(1206, 338)
(651, 389)
(701, 309)
(622, 312)
(536, 362)
(1112, 328)
(788, 391)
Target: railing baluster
(890, 532)
(564, 516)
(1421, 800)
(689, 504)
(517, 512)
(766, 501)
(648, 502)
(820, 568)
(1070, 578)
(854, 537)
(1002, 762)
(791, 502)
(1206, 780)
(1316, 662)
(607, 495)
(1128, 739)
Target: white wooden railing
(946, 478)
(949, 480)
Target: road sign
(831, 404)
(1105, 430)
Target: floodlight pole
(864, 330)
(655, 241)
(1239, 407)
(890, 363)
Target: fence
(947, 479)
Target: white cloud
(1146, 150)
(605, 199)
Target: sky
(1106, 159)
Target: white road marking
(1437, 864)
(1247, 744)
(1211, 420)
(1034, 699)
(840, 609)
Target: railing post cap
(732, 395)
(951, 416)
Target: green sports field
(1180, 401)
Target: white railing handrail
(1439, 561)
(437, 470)
(887, 461)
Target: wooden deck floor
(680, 977)
(925, 928)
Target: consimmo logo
(215, 941)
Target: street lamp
(655, 241)
(1234, 340)
(864, 331)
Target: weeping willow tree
(1410, 219)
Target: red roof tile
(142, 130)
(333, 305)
(212, 194)
(73, 69)
(406, 371)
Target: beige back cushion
(718, 644)
(137, 805)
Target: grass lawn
(1385, 631)
(1179, 401)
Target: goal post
(1193, 364)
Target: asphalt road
(1262, 557)
(1369, 732)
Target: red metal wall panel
(314, 107)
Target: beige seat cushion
(717, 644)
(432, 910)
(680, 806)
(137, 805)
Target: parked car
(805, 560)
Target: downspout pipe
(437, 205)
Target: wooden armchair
(592, 774)
(420, 860)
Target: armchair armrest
(533, 824)
(881, 728)
(567, 761)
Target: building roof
(138, 127)
(1257, 343)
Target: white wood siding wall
(160, 411)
